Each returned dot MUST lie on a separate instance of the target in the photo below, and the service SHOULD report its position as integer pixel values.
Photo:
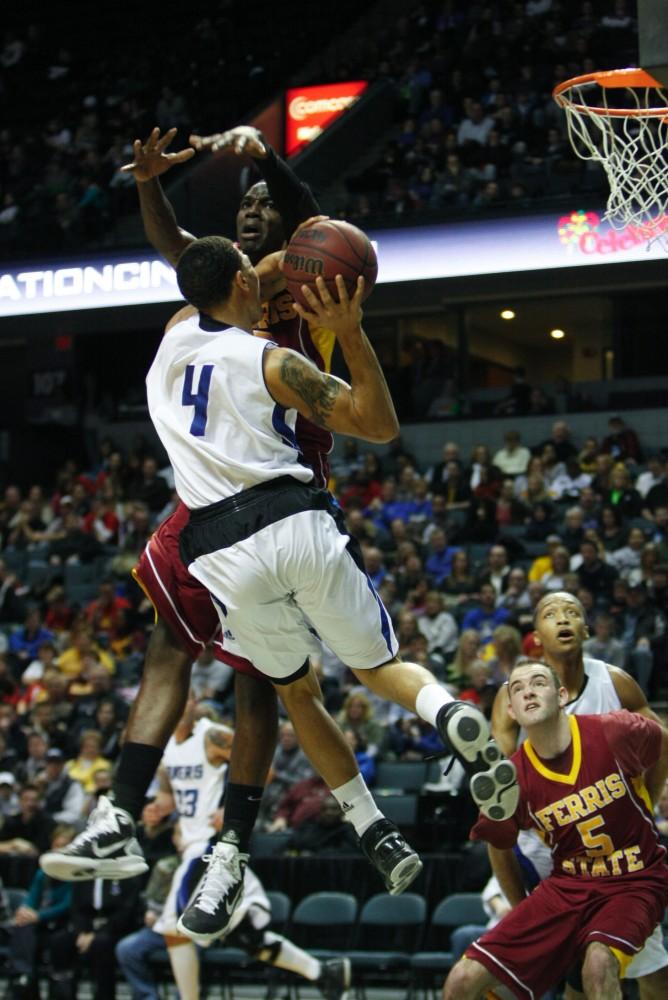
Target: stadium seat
(281, 908)
(390, 929)
(430, 966)
(268, 845)
(328, 917)
(399, 809)
(407, 776)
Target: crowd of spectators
(477, 129)
(476, 126)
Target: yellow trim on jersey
(565, 779)
(642, 793)
(137, 579)
(324, 340)
(623, 959)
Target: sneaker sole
(404, 874)
(496, 792)
(467, 731)
(70, 869)
(493, 778)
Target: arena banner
(500, 246)
(310, 110)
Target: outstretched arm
(293, 199)
(151, 159)
(363, 409)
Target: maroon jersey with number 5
(590, 804)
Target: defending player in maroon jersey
(581, 787)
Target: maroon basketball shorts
(538, 942)
(180, 600)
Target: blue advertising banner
(463, 249)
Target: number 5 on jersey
(198, 399)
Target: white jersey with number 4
(197, 785)
(209, 404)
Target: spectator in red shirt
(102, 521)
(300, 803)
(108, 614)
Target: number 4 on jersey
(199, 399)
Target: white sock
(292, 958)
(357, 804)
(430, 699)
(185, 966)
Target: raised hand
(342, 316)
(151, 158)
(242, 139)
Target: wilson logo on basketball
(307, 265)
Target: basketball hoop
(619, 119)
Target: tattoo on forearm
(317, 392)
(219, 737)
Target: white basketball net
(625, 129)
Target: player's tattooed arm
(325, 400)
(218, 744)
(319, 392)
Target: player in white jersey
(594, 688)
(272, 550)
(191, 780)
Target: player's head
(560, 623)
(259, 225)
(535, 693)
(212, 271)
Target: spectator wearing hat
(9, 800)
(64, 797)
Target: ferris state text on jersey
(589, 804)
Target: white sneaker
(209, 912)
(107, 848)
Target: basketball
(326, 249)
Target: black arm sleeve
(293, 199)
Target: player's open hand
(342, 316)
(151, 158)
(242, 139)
